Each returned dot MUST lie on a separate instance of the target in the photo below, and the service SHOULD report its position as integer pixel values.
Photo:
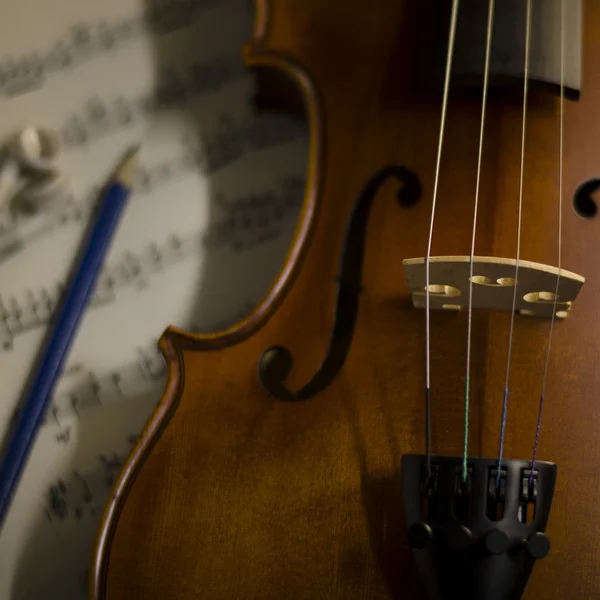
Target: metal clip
(36, 149)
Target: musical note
(112, 466)
(146, 375)
(82, 496)
(143, 376)
(57, 503)
(251, 221)
(154, 367)
(99, 117)
(86, 40)
(22, 315)
(64, 436)
(230, 142)
(86, 493)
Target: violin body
(277, 473)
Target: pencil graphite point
(126, 171)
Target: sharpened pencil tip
(126, 170)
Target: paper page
(204, 234)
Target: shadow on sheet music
(254, 196)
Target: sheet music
(214, 209)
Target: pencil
(63, 328)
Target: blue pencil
(63, 328)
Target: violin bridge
(493, 285)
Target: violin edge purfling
(174, 340)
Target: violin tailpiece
(476, 539)
(493, 285)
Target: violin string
(479, 161)
(560, 202)
(449, 55)
(516, 281)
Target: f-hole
(276, 363)
(583, 202)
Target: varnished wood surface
(232, 494)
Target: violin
(409, 412)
